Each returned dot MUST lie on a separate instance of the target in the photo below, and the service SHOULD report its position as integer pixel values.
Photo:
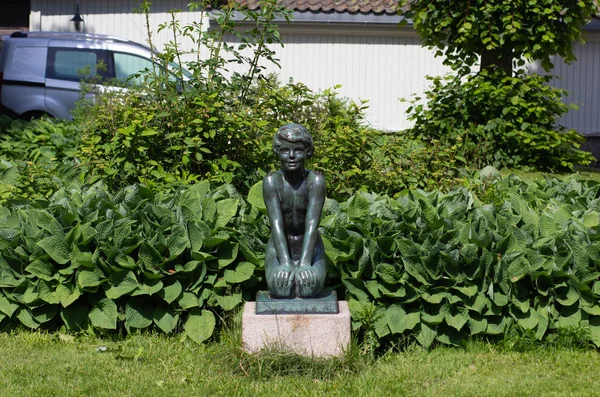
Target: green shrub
(441, 268)
(426, 267)
(38, 157)
(501, 121)
(129, 260)
(220, 129)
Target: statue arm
(316, 200)
(276, 218)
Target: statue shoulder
(272, 180)
(316, 179)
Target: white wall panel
(380, 69)
(581, 79)
(113, 17)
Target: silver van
(40, 72)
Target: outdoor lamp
(77, 19)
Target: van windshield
(175, 67)
(132, 68)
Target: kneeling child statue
(294, 197)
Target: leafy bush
(430, 267)
(38, 157)
(131, 259)
(501, 121)
(220, 129)
(445, 267)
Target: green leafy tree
(500, 31)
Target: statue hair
(293, 133)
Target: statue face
(292, 155)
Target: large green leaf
(517, 269)
(150, 257)
(178, 241)
(44, 220)
(200, 325)
(399, 321)
(41, 269)
(67, 293)
(7, 307)
(528, 320)
(165, 318)
(477, 325)
(242, 272)
(570, 317)
(229, 302)
(226, 209)
(255, 196)
(46, 292)
(26, 318)
(386, 272)
(567, 296)
(87, 279)
(56, 248)
(427, 335)
(356, 288)
(121, 283)
(591, 219)
(138, 314)
(415, 267)
(171, 292)
(358, 207)
(188, 300)
(457, 318)
(449, 335)
(44, 313)
(595, 330)
(496, 325)
(104, 314)
(435, 314)
(148, 287)
(226, 253)
(75, 317)
(197, 233)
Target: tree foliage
(466, 29)
(494, 119)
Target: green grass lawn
(35, 364)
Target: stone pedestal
(318, 335)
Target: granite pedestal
(318, 335)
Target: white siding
(380, 69)
(582, 81)
(112, 17)
(374, 64)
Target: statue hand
(283, 276)
(307, 276)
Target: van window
(27, 64)
(73, 64)
(127, 66)
(130, 68)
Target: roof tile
(389, 7)
(364, 6)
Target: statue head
(294, 133)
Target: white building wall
(380, 65)
(380, 68)
(114, 17)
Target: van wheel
(35, 114)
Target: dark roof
(388, 7)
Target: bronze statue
(294, 197)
